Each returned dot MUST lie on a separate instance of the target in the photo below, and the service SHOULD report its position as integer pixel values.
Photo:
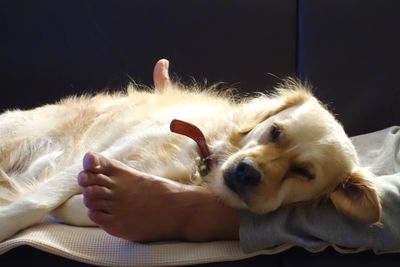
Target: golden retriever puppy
(258, 153)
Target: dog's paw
(73, 212)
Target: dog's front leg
(37, 204)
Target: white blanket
(93, 246)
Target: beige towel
(92, 245)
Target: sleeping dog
(257, 153)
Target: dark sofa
(348, 50)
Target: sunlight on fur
(269, 150)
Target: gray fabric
(317, 227)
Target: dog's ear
(357, 198)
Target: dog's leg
(34, 206)
(73, 212)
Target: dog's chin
(224, 193)
(242, 200)
(236, 200)
(232, 199)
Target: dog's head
(293, 150)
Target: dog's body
(267, 151)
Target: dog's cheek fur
(268, 195)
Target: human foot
(142, 207)
(125, 202)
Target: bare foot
(122, 200)
(137, 206)
(160, 74)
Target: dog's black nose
(246, 174)
(242, 176)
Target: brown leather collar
(193, 132)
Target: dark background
(52, 48)
(349, 50)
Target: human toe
(97, 192)
(86, 179)
(100, 217)
(97, 163)
(91, 162)
(98, 204)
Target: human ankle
(208, 219)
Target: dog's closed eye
(276, 133)
(302, 171)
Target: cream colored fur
(41, 151)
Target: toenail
(83, 178)
(96, 161)
(91, 157)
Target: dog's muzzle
(242, 177)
